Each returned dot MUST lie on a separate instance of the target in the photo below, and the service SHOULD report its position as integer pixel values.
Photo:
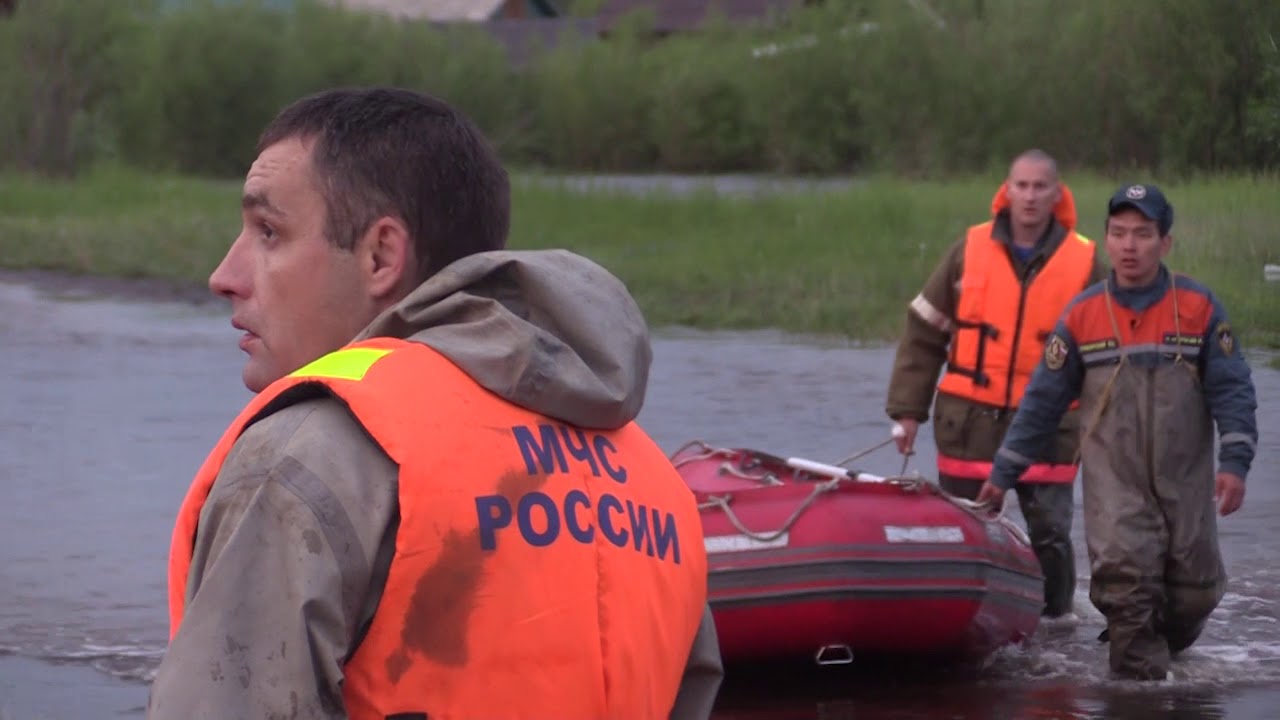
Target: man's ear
(387, 257)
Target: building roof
(524, 39)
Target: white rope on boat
(836, 475)
(722, 502)
(868, 451)
(726, 468)
(707, 452)
(982, 512)
(979, 510)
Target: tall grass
(1171, 89)
(844, 262)
(115, 222)
(855, 85)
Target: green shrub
(62, 63)
(1177, 86)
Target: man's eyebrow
(259, 201)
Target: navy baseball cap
(1146, 199)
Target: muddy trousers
(1048, 509)
(1156, 572)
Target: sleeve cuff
(1003, 476)
(1003, 482)
(900, 413)
(1235, 468)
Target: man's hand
(990, 495)
(1228, 490)
(906, 439)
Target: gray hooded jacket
(306, 503)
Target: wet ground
(109, 405)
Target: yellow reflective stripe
(346, 364)
(1084, 239)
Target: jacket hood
(548, 330)
(1064, 211)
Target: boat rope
(768, 478)
(726, 468)
(982, 512)
(722, 502)
(707, 452)
(915, 482)
(909, 483)
(868, 451)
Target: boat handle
(831, 471)
(834, 655)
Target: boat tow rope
(722, 502)
(836, 475)
(868, 451)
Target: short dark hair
(382, 151)
(1037, 155)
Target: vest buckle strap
(979, 378)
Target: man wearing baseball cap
(1155, 365)
(1148, 201)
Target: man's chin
(256, 378)
(1130, 278)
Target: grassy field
(842, 262)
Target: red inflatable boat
(813, 560)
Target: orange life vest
(540, 570)
(1001, 325)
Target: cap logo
(1135, 192)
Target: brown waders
(1148, 468)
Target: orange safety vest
(540, 570)
(1001, 328)
(1001, 325)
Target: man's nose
(226, 280)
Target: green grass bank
(843, 262)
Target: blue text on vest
(541, 518)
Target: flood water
(109, 405)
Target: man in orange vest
(985, 313)
(438, 504)
(1152, 358)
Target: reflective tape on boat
(923, 534)
(741, 543)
